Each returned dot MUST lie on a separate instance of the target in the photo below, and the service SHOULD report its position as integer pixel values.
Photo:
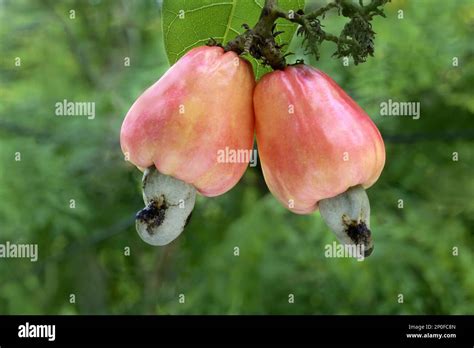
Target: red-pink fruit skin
(202, 105)
(325, 146)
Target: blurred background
(84, 250)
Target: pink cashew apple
(201, 106)
(316, 144)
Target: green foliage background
(81, 250)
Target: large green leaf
(190, 23)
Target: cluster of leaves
(313, 36)
(356, 39)
(360, 31)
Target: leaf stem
(259, 41)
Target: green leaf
(188, 24)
